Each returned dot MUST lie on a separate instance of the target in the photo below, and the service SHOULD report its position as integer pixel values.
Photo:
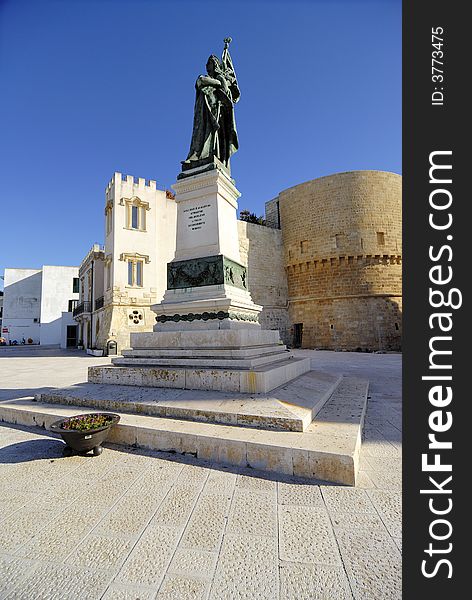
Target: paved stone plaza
(139, 524)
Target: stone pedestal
(207, 334)
(247, 360)
(206, 282)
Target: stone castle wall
(262, 251)
(342, 255)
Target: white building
(120, 282)
(1, 311)
(38, 305)
(91, 274)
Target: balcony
(99, 303)
(84, 307)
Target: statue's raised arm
(214, 132)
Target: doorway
(297, 335)
(71, 338)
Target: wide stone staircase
(310, 427)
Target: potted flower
(83, 433)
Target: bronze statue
(214, 128)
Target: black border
(427, 128)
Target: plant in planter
(83, 433)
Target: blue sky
(90, 87)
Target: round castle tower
(343, 248)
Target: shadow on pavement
(31, 450)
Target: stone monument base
(230, 360)
(273, 432)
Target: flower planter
(82, 441)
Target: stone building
(121, 280)
(342, 255)
(326, 268)
(38, 305)
(91, 277)
(262, 251)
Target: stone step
(261, 379)
(248, 352)
(289, 408)
(328, 450)
(203, 362)
(212, 339)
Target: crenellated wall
(342, 256)
(119, 178)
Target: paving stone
(342, 499)
(386, 480)
(10, 501)
(21, 526)
(382, 464)
(121, 592)
(256, 484)
(61, 582)
(306, 536)
(12, 572)
(299, 494)
(379, 448)
(155, 477)
(131, 514)
(389, 507)
(207, 523)
(78, 517)
(373, 564)
(177, 506)
(348, 520)
(220, 482)
(313, 582)
(74, 495)
(194, 563)
(390, 432)
(100, 552)
(105, 495)
(252, 513)
(247, 569)
(158, 542)
(183, 588)
(193, 475)
(364, 481)
(64, 494)
(102, 470)
(59, 535)
(50, 545)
